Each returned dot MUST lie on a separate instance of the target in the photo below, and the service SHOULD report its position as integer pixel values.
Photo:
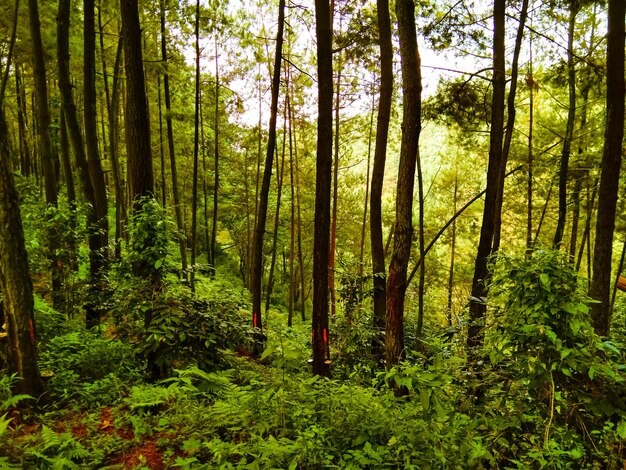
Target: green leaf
(158, 263)
(545, 279)
(592, 372)
(621, 429)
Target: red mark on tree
(325, 336)
(254, 321)
(32, 331)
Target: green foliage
(88, 367)
(545, 354)
(149, 238)
(61, 451)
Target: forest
(330, 234)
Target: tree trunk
(280, 168)
(478, 298)
(569, 131)
(15, 280)
(611, 161)
(409, 153)
(367, 194)
(42, 119)
(259, 230)
(161, 145)
(140, 175)
(379, 281)
(216, 168)
(182, 240)
(196, 145)
(323, 178)
(510, 126)
(333, 220)
(452, 249)
(530, 157)
(76, 139)
(25, 160)
(98, 250)
(120, 199)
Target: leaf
(592, 372)
(158, 263)
(621, 429)
(545, 279)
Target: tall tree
(182, 241)
(259, 230)
(76, 138)
(100, 239)
(323, 178)
(15, 280)
(139, 159)
(45, 146)
(574, 6)
(477, 304)
(196, 145)
(403, 231)
(611, 161)
(378, 171)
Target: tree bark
(25, 160)
(510, 126)
(611, 161)
(409, 153)
(182, 240)
(99, 247)
(379, 274)
(140, 174)
(323, 178)
(42, 119)
(477, 303)
(569, 131)
(259, 230)
(196, 145)
(15, 280)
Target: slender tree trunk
(409, 153)
(21, 123)
(580, 174)
(367, 194)
(379, 281)
(69, 186)
(585, 242)
(15, 280)
(477, 304)
(620, 266)
(98, 255)
(611, 161)
(161, 144)
(42, 118)
(569, 131)
(259, 230)
(530, 157)
(452, 250)
(292, 215)
(216, 168)
(333, 220)
(280, 168)
(321, 241)
(182, 239)
(510, 126)
(120, 199)
(76, 138)
(196, 144)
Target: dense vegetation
(190, 278)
